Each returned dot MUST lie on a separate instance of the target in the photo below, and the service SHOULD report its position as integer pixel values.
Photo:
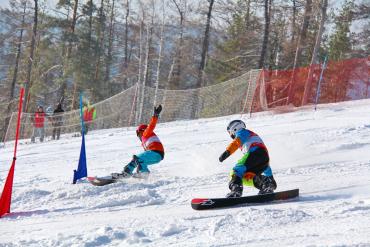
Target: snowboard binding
(264, 184)
(117, 175)
(235, 186)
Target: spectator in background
(38, 124)
(89, 114)
(57, 121)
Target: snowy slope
(324, 153)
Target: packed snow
(324, 153)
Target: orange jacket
(150, 140)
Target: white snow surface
(326, 154)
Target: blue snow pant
(143, 160)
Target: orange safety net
(341, 81)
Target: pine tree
(340, 40)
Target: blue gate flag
(82, 165)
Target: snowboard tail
(97, 181)
(210, 203)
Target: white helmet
(234, 126)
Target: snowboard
(101, 181)
(210, 203)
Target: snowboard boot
(236, 187)
(130, 167)
(264, 184)
(141, 172)
(126, 173)
(127, 170)
(142, 175)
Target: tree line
(102, 47)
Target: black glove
(224, 156)
(157, 110)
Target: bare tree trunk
(65, 45)
(169, 78)
(146, 68)
(247, 16)
(261, 62)
(159, 56)
(126, 33)
(110, 48)
(178, 64)
(205, 45)
(73, 26)
(147, 49)
(67, 59)
(141, 88)
(126, 50)
(308, 84)
(100, 45)
(74, 96)
(30, 59)
(90, 21)
(147, 57)
(294, 20)
(301, 43)
(177, 72)
(303, 34)
(19, 52)
(15, 73)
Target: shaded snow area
(326, 154)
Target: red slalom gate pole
(18, 122)
(6, 196)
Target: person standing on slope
(57, 121)
(153, 154)
(253, 168)
(38, 124)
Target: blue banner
(82, 165)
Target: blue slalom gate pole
(319, 84)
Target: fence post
(254, 92)
(247, 94)
(133, 104)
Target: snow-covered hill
(324, 153)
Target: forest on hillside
(103, 47)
